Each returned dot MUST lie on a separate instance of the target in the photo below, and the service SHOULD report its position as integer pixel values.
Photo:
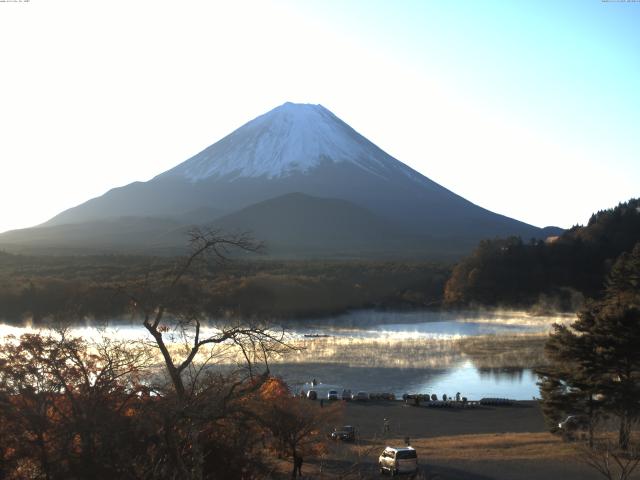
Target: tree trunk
(624, 432)
(197, 471)
(294, 474)
(591, 420)
(44, 458)
(176, 378)
(173, 450)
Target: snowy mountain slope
(292, 138)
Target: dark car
(360, 397)
(346, 433)
(332, 395)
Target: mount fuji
(299, 178)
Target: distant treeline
(554, 274)
(43, 288)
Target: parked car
(346, 394)
(312, 395)
(332, 395)
(382, 396)
(398, 460)
(573, 423)
(346, 433)
(360, 396)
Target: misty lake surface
(421, 352)
(478, 354)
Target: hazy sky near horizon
(530, 108)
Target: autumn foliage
(296, 425)
(72, 409)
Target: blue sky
(528, 108)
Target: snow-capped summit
(291, 138)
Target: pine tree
(596, 361)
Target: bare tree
(610, 461)
(172, 311)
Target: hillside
(553, 274)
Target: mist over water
(479, 354)
(362, 319)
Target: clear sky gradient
(528, 108)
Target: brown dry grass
(498, 446)
(358, 461)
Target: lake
(479, 354)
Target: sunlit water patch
(464, 378)
(446, 329)
(474, 353)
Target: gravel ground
(425, 422)
(485, 443)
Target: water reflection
(480, 366)
(471, 383)
(509, 374)
(463, 377)
(474, 353)
(486, 351)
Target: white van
(398, 460)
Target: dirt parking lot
(425, 422)
(484, 443)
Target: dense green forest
(41, 288)
(554, 274)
